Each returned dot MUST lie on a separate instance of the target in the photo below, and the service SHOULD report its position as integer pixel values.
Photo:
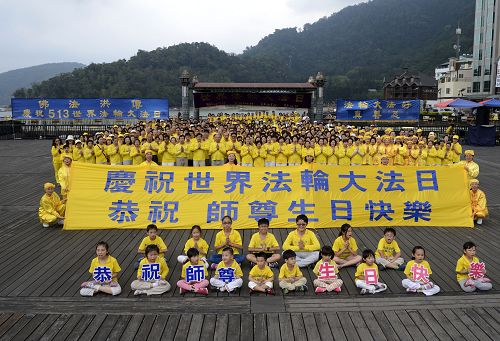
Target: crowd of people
(260, 140)
(300, 249)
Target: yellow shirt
(473, 168)
(247, 153)
(410, 264)
(257, 242)
(157, 241)
(100, 153)
(318, 264)
(64, 173)
(160, 260)
(87, 155)
(136, 155)
(217, 154)
(202, 246)
(294, 153)
(261, 274)
(387, 249)
(199, 149)
(237, 270)
(111, 263)
(259, 157)
(56, 154)
(78, 155)
(185, 266)
(125, 152)
(360, 270)
(311, 242)
(338, 245)
(464, 264)
(50, 205)
(285, 272)
(114, 154)
(234, 237)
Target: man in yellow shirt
(199, 149)
(469, 165)
(478, 202)
(149, 160)
(52, 208)
(217, 151)
(64, 173)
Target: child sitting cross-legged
(326, 269)
(290, 276)
(194, 274)
(261, 276)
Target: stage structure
(284, 95)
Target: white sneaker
(479, 221)
(87, 292)
(60, 221)
(363, 291)
(138, 292)
(222, 289)
(45, 225)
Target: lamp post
(185, 80)
(320, 83)
(196, 110)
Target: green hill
(354, 48)
(25, 77)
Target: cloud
(36, 32)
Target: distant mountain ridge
(354, 48)
(25, 77)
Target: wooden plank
(273, 327)
(55, 327)
(183, 327)
(106, 327)
(361, 328)
(259, 327)
(158, 327)
(348, 326)
(29, 328)
(474, 327)
(246, 331)
(17, 327)
(119, 327)
(286, 330)
(446, 325)
(221, 327)
(336, 327)
(68, 327)
(11, 321)
(491, 316)
(375, 330)
(171, 327)
(208, 328)
(299, 330)
(424, 328)
(132, 327)
(42, 328)
(386, 326)
(195, 328)
(484, 322)
(145, 327)
(323, 328)
(410, 325)
(93, 327)
(311, 326)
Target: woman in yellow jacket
(64, 175)
(400, 153)
(344, 159)
(56, 151)
(136, 153)
(387, 148)
(272, 150)
(167, 150)
(307, 150)
(431, 154)
(125, 148)
(100, 152)
(332, 158)
(247, 153)
(282, 153)
(88, 152)
(356, 153)
(413, 153)
(78, 152)
(51, 208)
(259, 154)
(422, 158)
(198, 150)
(320, 156)
(447, 154)
(113, 151)
(371, 152)
(294, 153)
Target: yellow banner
(178, 197)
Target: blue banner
(89, 108)
(378, 110)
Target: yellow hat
(120, 135)
(384, 156)
(455, 137)
(469, 151)
(109, 138)
(231, 152)
(149, 151)
(419, 130)
(48, 185)
(85, 133)
(68, 156)
(115, 126)
(474, 181)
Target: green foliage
(354, 48)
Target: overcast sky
(35, 32)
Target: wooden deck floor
(43, 268)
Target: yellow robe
(478, 204)
(50, 208)
(64, 173)
(472, 168)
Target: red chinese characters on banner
(371, 276)
(420, 273)
(477, 270)
(327, 271)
